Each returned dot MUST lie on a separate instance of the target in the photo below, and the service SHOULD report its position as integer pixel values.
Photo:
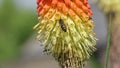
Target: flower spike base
(66, 30)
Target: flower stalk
(108, 42)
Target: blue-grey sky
(26, 3)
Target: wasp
(63, 26)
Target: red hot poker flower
(66, 30)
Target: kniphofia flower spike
(65, 28)
(109, 6)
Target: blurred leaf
(94, 62)
(15, 28)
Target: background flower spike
(109, 6)
(67, 35)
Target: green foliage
(94, 63)
(15, 28)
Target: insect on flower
(63, 26)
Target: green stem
(108, 42)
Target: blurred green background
(15, 28)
